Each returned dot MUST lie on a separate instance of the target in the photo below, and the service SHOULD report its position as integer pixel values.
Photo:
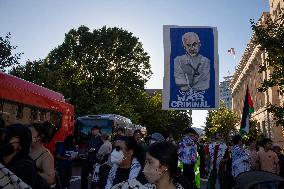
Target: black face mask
(6, 149)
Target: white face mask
(152, 175)
(116, 156)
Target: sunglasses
(117, 148)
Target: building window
(264, 131)
(55, 119)
(42, 115)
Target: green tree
(108, 66)
(7, 58)
(158, 120)
(104, 71)
(209, 129)
(98, 71)
(254, 133)
(222, 121)
(34, 71)
(270, 37)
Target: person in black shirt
(64, 160)
(278, 151)
(119, 131)
(127, 162)
(93, 146)
(15, 144)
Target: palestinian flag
(247, 111)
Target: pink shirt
(268, 161)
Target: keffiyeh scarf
(187, 150)
(9, 180)
(95, 177)
(220, 155)
(240, 161)
(134, 184)
(134, 171)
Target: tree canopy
(7, 58)
(270, 37)
(104, 71)
(104, 67)
(158, 120)
(221, 121)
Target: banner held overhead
(191, 68)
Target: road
(76, 177)
(75, 181)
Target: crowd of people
(227, 161)
(132, 161)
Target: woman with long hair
(161, 169)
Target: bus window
(1, 106)
(19, 111)
(47, 116)
(55, 119)
(2, 122)
(42, 115)
(26, 115)
(31, 103)
(83, 127)
(33, 114)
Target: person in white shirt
(240, 160)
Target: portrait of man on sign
(192, 70)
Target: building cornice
(263, 109)
(246, 59)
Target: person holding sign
(192, 70)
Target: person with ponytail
(161, 169)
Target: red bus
(25, 102)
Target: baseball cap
(189, 130)
(157, 137)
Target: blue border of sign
(172, 95)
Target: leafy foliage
(104, 71)
(34, 71)
(98, 71)
(162, 121)
(221, 121)
(270, 37)
(254, 133)
(7, 58)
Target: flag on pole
(232, 52)
(247, 111)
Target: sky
(39, 26)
